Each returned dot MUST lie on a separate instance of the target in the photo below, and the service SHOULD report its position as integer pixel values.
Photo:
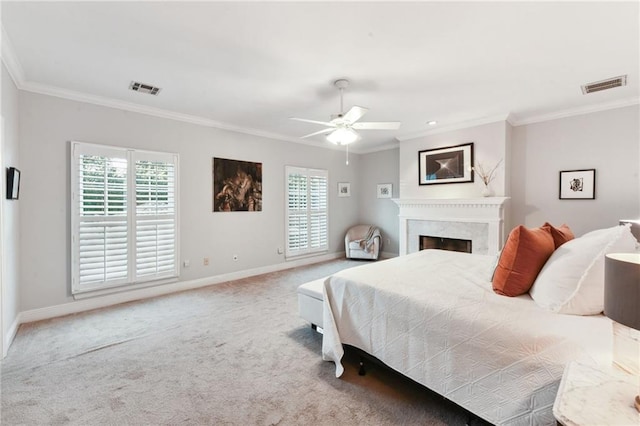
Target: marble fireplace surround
(480, 220)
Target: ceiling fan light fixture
(343, 136)
(341, 130)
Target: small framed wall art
(13, 183)
(452, 164)
(385, 190)
(577, 184)
(344, 189)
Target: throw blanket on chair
(367, 242)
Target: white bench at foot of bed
(310, 299)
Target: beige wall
(608, 141)
(534, 154)
(49, 123)
(10, 210)
(375, 168)
(489, 148)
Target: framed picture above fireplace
(452, 164)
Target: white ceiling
(250, 66)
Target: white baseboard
(144, 293)
(388, 255)
(11, 334)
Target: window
(124, 217)
(307, 211)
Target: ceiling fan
(342, 127)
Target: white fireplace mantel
(489, 211)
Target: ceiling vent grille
(609, 83)
(144, 88)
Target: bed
(433, 317)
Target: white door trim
(3, 349)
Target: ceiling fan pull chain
(347, 162)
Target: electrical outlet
(205, 261)
(186, 263)
(235, 257)
(279, 250)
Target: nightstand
(596, 395)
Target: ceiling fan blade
(378, 125)
(324, 123)
(318, 133)
(355, 114)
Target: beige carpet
(231, 354)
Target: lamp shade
(622, 288)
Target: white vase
(487, 191)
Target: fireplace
(480, 220)
(451, 244)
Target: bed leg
(361, 371)
(472, 419)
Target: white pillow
(572, 280)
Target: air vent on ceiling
(609, 83)
(144, 88)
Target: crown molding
(511, 119)
(44, 89)
(622, 103)
(11, 61)
(395, 144)
(17, 74)
(457, 126)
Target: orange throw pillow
(524, 254)
(560, 235)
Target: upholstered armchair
(363, 242)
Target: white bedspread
(433, 317)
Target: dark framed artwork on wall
(237, 185)
(13, 183)
(578, 184)
(452, 164)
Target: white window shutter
(318, 211)
(124, 216)
(99, 209)
(307, 211)
(155, 217)
(297, 221)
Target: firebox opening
(452, 244)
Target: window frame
(308, 250)
(131, 280)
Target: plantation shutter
(155, 216)
(307, 211)
(318, 210)
(297, 223)
(124, 211)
